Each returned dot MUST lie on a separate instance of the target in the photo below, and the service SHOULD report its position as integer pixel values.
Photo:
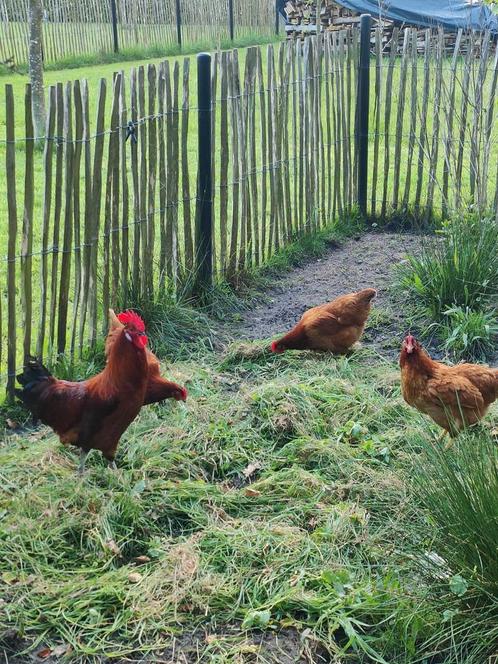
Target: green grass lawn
(277, 501)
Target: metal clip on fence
(130, 131)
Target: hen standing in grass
(335, 326)
(454, 397)
(93, 414)
(158, 388)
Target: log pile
(304, 15)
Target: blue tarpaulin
(449, 14)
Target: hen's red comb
(131, 318)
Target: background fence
(71, 29)
(105, 214)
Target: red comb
(131, 318)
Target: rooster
(335, 326)
(158, 388)
(454, 397)
(93, 414)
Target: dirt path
(367, 261)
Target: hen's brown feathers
(335, 326)
(454, 397)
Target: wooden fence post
(277, 17)
(204, 249)
(363, 110)
(114, 18)
(230, 19)
(179, 23)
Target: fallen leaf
(252, 493)
(141, 560)
(134, 577)
(210, 638)
(43, 654)
(251, 469)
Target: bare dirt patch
(366, 261)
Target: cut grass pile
(279, 498)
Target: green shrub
(459, 490)
(467, 334)
(458, 268)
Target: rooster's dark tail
(33, 377)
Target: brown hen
(335, 326)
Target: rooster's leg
(112, 464)
(81, 465)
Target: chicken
(158, 388)
(335, 326)
(93, 414)
(454, 397)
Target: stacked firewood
(303, 16)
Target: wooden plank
(65, 273)
(273, 239)
(125, 195)
(174, 173)
(88, 216)
(10, 172)
(465, 96)
(477, 116)
(161, 133)
(142, 219)
(449, 109)
(170, 166)
(136, 187)
(234, 94)
(337, 127)
(435, 125)
(96, 208)
(295, 132)
(253, 163)
(377, 113)
(224, 159)
(27, 228)
(115, 231)
(387, 119)
(152, 172)
(47, 205)
(413, 118)
(490, 116)
(59, 174)
(214, 106)
(422, 140)
(78, 149)
(263, 153)
(400, 116)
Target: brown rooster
(158, 388)
(93, 414)
(335, 326)
(454, 397)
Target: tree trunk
(36, 66)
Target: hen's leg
(112, 464)
(81, 465)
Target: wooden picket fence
(105, 213)
(72, 29)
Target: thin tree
(36, 65)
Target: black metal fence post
(363, 110)
(179, 23)
(204, 220)
(230, 19)
(114, 18)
